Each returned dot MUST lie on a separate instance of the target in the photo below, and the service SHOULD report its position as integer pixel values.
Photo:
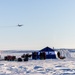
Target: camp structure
(59, 56)
(45, 53)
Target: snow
(39, 67)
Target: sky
(46, 23)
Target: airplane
(19, 25)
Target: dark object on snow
(19, 59)
(42, 55)
(59, 56)
(23, 56)
(26, 57)
(5, 58)
(13, 58)
(10, 58)
(35, 55)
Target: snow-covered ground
(39, 67)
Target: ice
(39, 67)
(35, 67)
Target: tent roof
(46, 49)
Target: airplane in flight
(19, 25)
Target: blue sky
(46, 23)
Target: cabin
(45, 53)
